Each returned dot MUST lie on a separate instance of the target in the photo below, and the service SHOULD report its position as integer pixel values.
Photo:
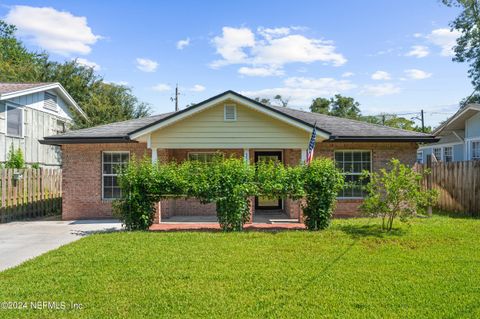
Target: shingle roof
(342, 127)
(15, 87)
(117, 130)
(337, 128)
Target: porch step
(283, 221)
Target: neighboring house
(236, 126)
(459, 138)
(28, 113)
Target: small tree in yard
(15, 158)
(396, 193)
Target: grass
(429, 268)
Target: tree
(474, 98)
(283, 101)
(343, 106)
(320, 105)
(102, 102)
(468, 44)
(262, 100)
(396, 193)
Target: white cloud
(231, 44)
(197, 88)
(381, 75)
(301, 90)
(146, 65)
(445, 39)
(88, 63)
(162, 87)
(124, 83)
(271, 50)
(416, 74)
(419, 51)
(262, 71)
(269, 33)
(380, 89)
(56, 31)
(347, 74)
(417, 35)
(181, 44)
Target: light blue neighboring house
(459, 138)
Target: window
(230, 112)
(204, 157)
(50, 101)
(14, 121)
(420, 157)
(352, 164)
(475, 150)
(112, 163)
(61, 128)
(448, 154)
(437, 151)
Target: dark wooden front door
(264, 202)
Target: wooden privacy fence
(29, 193)
(458, 185)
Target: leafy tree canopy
(102, 102)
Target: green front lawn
(428, 269)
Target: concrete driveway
(20, 241)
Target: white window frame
(204, 152)
(469, 145)
(103, 187)
(371, 168)
(444, 156)
(22, 111)
(441, 153)
(421, 157)
(225, 112)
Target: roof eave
(85, 140)
(51, 86)
(426, 139)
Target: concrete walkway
(20, 241)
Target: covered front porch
(190, 211)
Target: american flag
(311, 145)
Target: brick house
(232, 124)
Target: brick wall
(82, 178)
(82, 174)
(382, 153)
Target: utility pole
(423, 121)
(176, 99)
(383, 119)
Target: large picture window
(112, 164)
(14, 121)
(352, 164)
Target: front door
(264, 202)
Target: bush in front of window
(229, 183)
(396, 192)
(322, 182)
(15, 158)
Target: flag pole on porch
(311, 144)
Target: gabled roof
(13, 90)
(330, 127)
(457, 120)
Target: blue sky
(392, 56)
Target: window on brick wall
(352, 164)
(112, 164)
(204, 157)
